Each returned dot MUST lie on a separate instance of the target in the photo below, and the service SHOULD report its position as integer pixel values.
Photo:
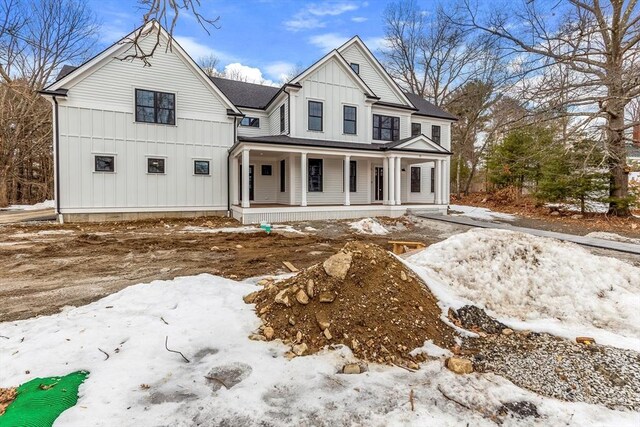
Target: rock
(555, 213)
(251, 298)
(338, 265)
(268, 333)
(413, 365)
(323, 320)
(301, 297)
(257, 337)
(282, 298)
(228, 375)
(519, 409)
(239, 246)
(327, 297)
(577, 216)
(310, 288)
(299, 349)
(507, 331)
(459, 365)
(351, 368)
(327, 334)
(585, 340)
(299, 336)
(264, 282)
(264, 309)
(403, 275)
(472, 318)
(292, 321)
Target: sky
(262, 39)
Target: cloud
(198, 50)
(310, 16)
(328, 41)
(279, 70)
(245, 73)
(359, 19)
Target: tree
(581, 58)
(209, 65)
(36, 39)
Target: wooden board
(290, 266)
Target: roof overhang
(419, 143)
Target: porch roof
(342, 145)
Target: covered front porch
(298, 183)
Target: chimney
(636, 135)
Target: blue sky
(266, 37)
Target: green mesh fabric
(40, 401)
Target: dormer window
(253, 122)
(355, 67)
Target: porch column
(391, 178)
(303, 179)
(398, 180)
(447, 181)
(438, 184)
(443, 182)
(290, 175)
(385, 181)
(347, 175)
(235, 177)
(245, 178)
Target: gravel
(561, 369)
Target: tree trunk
(619, 180)
(458, 167)
(4, 189)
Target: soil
(532, 215)
(380, 309)
(7, 395)
(46, 266)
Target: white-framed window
(105, 163)
(156, 165)
(202, 167)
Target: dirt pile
(361, 297)
(7, 395)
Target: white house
(340, 140)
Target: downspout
(235, 137)
(288, 111)
(56, 143)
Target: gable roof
(377, 66)
(248, 95)
(71, 74)
(407, 143)
(426, 108)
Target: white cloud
(309, 17)
(198, 50)
(279, 70)
(245, 73)
(328, 41)
(359, 19)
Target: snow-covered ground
(369, 226)
(536, 283)
(204, 317)
(47, 204)
(613, 236)
(474, 212)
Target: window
(282, 114)
(349, 120)
(435, 134)
(386, 128)
(353, 185)
(104, 164)
(355, 67)
(415, 179)
(315, 115)
(282, 176)
(155, 165)
(266, 170)
(433, 179)
(315, 175)
(416, 129)
(155, 107)
(200, 167)
(253, 122)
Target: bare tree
(36, 39)
(597, 47)
(167, 13)
(210, 65)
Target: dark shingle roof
(425, 108)
(66, 69)
(287, 140)
(242, 94)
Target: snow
(483, 214)
(369, 226)
(47, 204)
(205, 318)
(613, 236)
(531, 282)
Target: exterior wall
(98, 118)
(405, 119)
(425, 195)
(274, 118)
(427, 122)
(371, 75)
(265, 124)
(331, 85)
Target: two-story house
(340, 140)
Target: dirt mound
(362, 297)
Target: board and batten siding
(331, 85)
(263, 129)
(427, 122)
(425, 195)
(371, 75)
(98, 118)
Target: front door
(378, 183)
(250, 182)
